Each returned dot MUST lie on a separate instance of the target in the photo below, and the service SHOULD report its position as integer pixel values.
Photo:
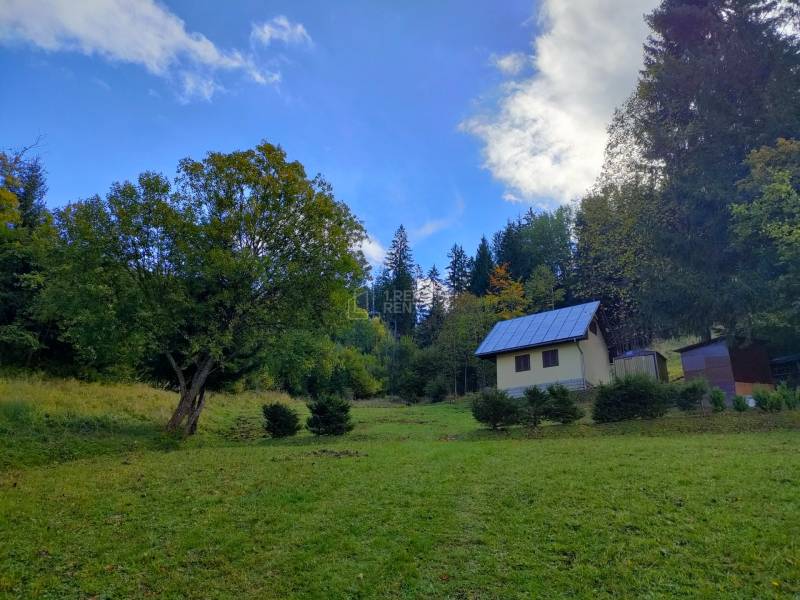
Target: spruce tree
(459, 270)
(482, 269)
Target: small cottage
(563, 346)
(734, 366)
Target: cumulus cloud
(373, 251)
(511, 64)
(280, 29)
(143, 32)
(546, 136)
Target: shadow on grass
(30, 438)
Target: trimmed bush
(789, 398)
(280, 420)
(632, 397)
(496, 409)
(330, 415)
(562, 405)
(740, 404)
(538, 407)
(689, 394)
(767, 401)
(717, 398)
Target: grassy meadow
(416, 502)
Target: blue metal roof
(540, 329)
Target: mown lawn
(416, 502)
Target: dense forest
(244, 272)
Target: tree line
(244, 271)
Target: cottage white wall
(569, 367)
(597, 368)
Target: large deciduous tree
(243, 247)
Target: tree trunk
(192, 397)
(194, 414)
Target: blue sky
(449, 117)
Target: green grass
(417, 502)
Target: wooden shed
(734, 366)
(642, 361)
(786, 369)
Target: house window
(550, 358)
(522, 362)
(593, 327)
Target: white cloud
(546, 137)
(281, 29)
(431, 226)
(511, 64)
(373, 251)
(142, 32)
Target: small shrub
(280, 420)
(632, 397)
(538, 406)
(767, 401)
(740, 404)
(689, 394)
(562, 405)
(496, 409)
(789, 398)
(330, 415)
(437, 389)
(717, 398)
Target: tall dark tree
(434, 309)
(483, 265)
(721, 78)
(459, 270)
(536, 239)
(397, 287)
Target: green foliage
(459, 270)
(330, 415)
(632, 397)
(538, 406)
(432, 310)
(396, 286)
(790, 398)
(466, 324)
(536, 239)
(496, 409)
(542, 291)
(482, 267)
(437, 389)
(556, 404)
(280, 420)
(717, 399)
(204, 272)
(767, 400)
(689, 394)
(766, 227)
(740, 403)
(563, 408)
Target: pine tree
(458, 270)
(482, 269)
(721, 78)
(434, 312)
(396, 288)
